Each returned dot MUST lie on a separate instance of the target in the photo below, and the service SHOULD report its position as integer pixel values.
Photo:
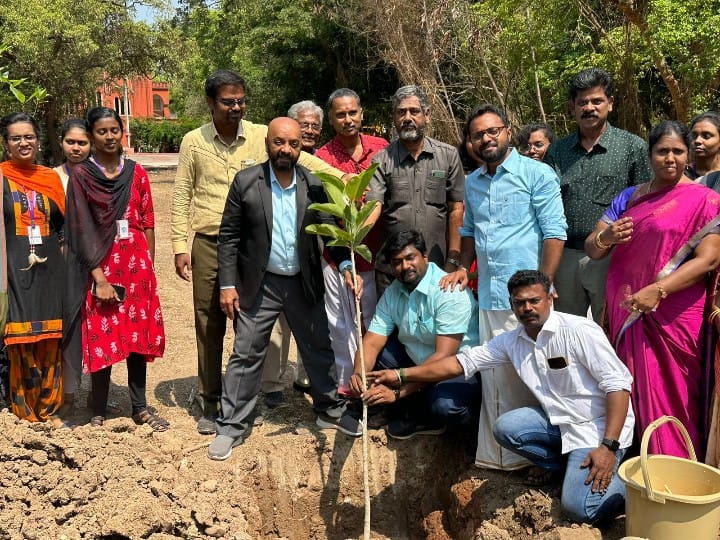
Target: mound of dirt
(289, 480)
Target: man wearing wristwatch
(419, 185)
(513, 219)
(429, 323)
(584, 421)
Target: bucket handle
(652, 495)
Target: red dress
(111, 332)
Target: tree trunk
(51, 125)
(680, 100)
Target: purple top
(618, 206)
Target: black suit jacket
(246, 233)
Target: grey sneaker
(206, 425)
(221, 448)
(346, 423)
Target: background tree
(69, 49)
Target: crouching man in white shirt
(585, 421)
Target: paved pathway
(154, 162)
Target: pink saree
(662, 348)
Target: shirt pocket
(514, 208)
(435, 187)
(399, 190)
(605, 188)
(565, 381)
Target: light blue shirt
(283, 249)
(509, 215)
(426, 312)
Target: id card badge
(34, 235)
(123, 229)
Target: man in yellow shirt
(210, 156)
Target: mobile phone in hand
(119, 290)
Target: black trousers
(137, 369)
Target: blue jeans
(454, 403)
(528, 432)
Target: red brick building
(145, 99)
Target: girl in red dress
(113, 309)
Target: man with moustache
(595, 163)
(351, 151)
(419, 184)
(583, 421)
(431, 323)
(513, 218)
(269, 265)
(208, 160)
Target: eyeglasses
(308, 125)
(15, 139)
(539, 145)
(232, 102)
(493, 133)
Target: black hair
(485, 108)
(400, 240)
(708, 116)
(15, 118)
(590, 78)
(668, 127)
(96, 114)
(222, 77)
(341, 93)
(523, 137)
(74, 123)
(528, 278)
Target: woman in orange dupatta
(33, 212)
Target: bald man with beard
(269, 265)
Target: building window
(120, 106)
(158, 106)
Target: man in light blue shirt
(514, 219)
(429, 322)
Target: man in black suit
(268, 264)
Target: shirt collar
(403, 153)
(274, 180)
(510, 164)
(239, 135)
(429, 280)
(603, 141)
(551, 325)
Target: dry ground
(289, 479)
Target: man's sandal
(150, 417)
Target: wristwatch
(612, 444)
(396, 391)
(453, 261)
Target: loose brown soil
(289, 480)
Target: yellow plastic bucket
(670, 498)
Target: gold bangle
(600, 244)
(663, 293)
(713, 315)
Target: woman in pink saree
(664, 240)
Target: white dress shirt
(573, 397)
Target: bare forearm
(438, 370)
(150, 236)
(551, 254)
(617, 404)
(455, 221)
(467, 251)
